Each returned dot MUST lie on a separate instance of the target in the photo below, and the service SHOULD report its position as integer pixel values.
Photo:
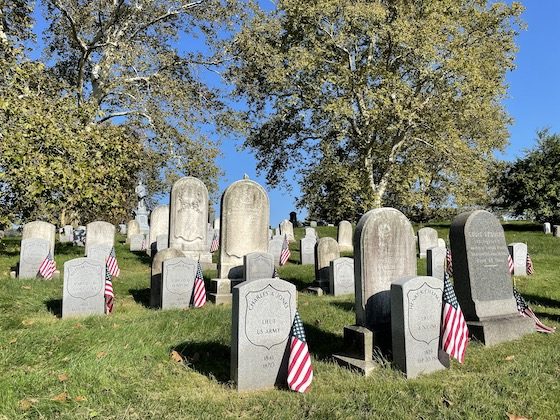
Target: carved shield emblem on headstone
(424, 313)
(268, 316)
(176, 281)
(85, 281)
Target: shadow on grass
(141, 296)
(345, 306)
(300, 284)
(322, 344)
(552, 317)
(539, 300)
(211, 359)
(143, 257)
(54, 306)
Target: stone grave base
(358, 342)
(220, 290)
(499, 330)
(315, 290)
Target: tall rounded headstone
(132, 228)
(100, 238)
(159, 225)
(40, 230)
(286, 228)
(345, 236)
(157, 268)
(427, 238)
(518, 252)
(326, 250)
(547, 228)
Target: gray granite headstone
(99, 233)
(157, 268)
(436, 261)
(416, 304)
(40, 230)
(307, 249)
(275, 248)
(326, 250)
(481, 278)
(518, 252)
(159, 225)
(427, 238)
(258, 265)
(342, 276)
(84, 286)
(177, 282)
(547, 228)
(263, 312)
(345, 236)
(162, 242)
(32, 253)
(136, 242)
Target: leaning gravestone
(32, 253)
(263, 312)
(137, 242)
(100, 239)
(188, 218)
(518, 252)
(159, 225)
(427, 238)
(84, 287)
(157, 268)
(40, 230)
(258, 265)
(132, 228)
(342, 276)
(178, 275)
(436, 261)
(275, 249)
(326, 250)
(416, 304)
(345, 236)
(482, 281)
(547, 228)
(286, 228)
(307, 249)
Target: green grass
(119, 366)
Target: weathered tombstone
(100, 235)
(244, 229)
(436, 261)
(441, 242)
(162, 242)
(556, 231)
(275, 248)
(157, 268)
(216, 223)
(40, 230)
(518, 252)
(286, 228)
(427, 238)
(122, 229)
(326, 250)
(84, 287)
(384, 251)
(80, 236)
(307, 249)
(547, 228)
(67, 235)
(258, 265)
(313, 223)
(482, 281)
(99, 252)
(137, 242)
(309, 231)
(342, 276)
(416, 304)
(344, 236)
(159, 225)
(263, 312)
(178, 276)
(132, 228)
(188, 220)
(209, 236)
(33, 251)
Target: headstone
(556, 231)
(416, 304)
(313, 223)
(157, 268)
(263, 312)
(99, 252)
(216, 224)
(159, 225)
(188, 222)
(162, 242)
(67, 235)
(40, 230)
(275, 248)
(547, 228)
(286, 228)
(178, 276)
(137, 242)
(441, 242)
(345, 236)
(307, 249)
(436, 261)
(342, 276)
(518, 252)
(122, 229)
(209, 236)
(326, 250)
(99, 235)
(32, 253)
(482, 281)
(309, 231)
(80, 236)
(132, 228)
(427, 238)
(84, 286)
(258, 265)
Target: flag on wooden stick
(215, 242)
(112, 264)
(529, 264)
(449, 262)
(285, 253)
(300, 371)
(47, 267)
(524, 310)
(199, 295)
(454, 331)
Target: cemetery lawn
(121, 366)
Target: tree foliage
(409, 91)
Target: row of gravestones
(554, 229)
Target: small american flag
(215, 242)
(525, 311)
(449, 262)
(109, 295)
(199, 297)
(300, 372)
(454, 331)
(285, 253)
(510, 264)
(47, 267)
(529, 263)
(112, 264)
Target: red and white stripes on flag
(112, 264)
(510, 264)
(199, 295)
(285, 253)
(300, 372)
(109, 295)
(47, 267)
(529, 264)
(454, 331)
(524, 310)
(215, 242)
(449, 262)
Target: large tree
(408, 90)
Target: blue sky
(534, 93)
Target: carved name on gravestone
(159, 225)
(132, 228)
(84, 286)
(157, 268)
(286, 228)
(416, 304)
(162, 242)
(99, 234)
(326, 251)
(482, 281)
(189, 218)
(262, 315)
(436, 261)
(518, 252)
(342, 276)
(258, 265)
(32, 253)
(547, 228)
(345, 236)
(427, 238)
(307, 249)
(40, 230)
(137, 242)
(178, 282)
(275, 248)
